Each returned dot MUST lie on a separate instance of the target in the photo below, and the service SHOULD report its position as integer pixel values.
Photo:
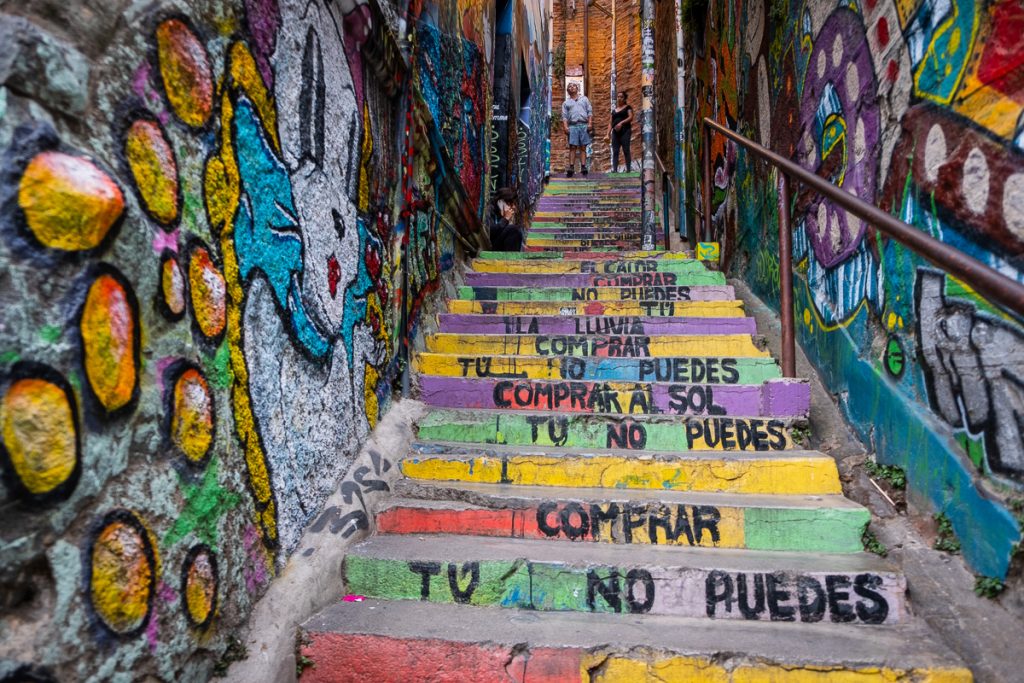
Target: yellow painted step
(732, 345)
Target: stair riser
(575, 251)
(652, 293)
(593, 431)
(561, 265)
(689, 592)
(600, 346)
(778, 399)
(349, 658)
(766, 475)
(710, 309)
(631, 280)
(650, 255)
(631, 523)
(512, 324)
(572, 243)
(674, 370)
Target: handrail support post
(706, 183)
(786, 279)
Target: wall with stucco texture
(208, 210)
(917, 108)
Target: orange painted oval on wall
(154, 169)
(109, 327)
(172, 288)
(185, 71)
(122, 573)
(209, 293)
(39, 432)
(192, 415)
(68, 202)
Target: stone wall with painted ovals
(205, 207)
(917, 107)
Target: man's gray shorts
(578, 136)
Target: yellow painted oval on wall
(109, 329)
(185, 72)
(68, 202)
(154, 169)
(199, 586)
(192, 415)
(209, 293)
(123, 570)
(39, 429)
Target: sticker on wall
(40, 446)
(121, 568)
(708, 251)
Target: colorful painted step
(821, 524)
(404, 641)
(648, 293)
(617, 266)
(480, 323)
(694, 265)
(706, 583)
(612, 346)
(777, 473)
(786, 398)
(681, 370)
(710, 309)
(575, 280)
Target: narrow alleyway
(612, 458)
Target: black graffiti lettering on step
(612, 346)
(573, 368)
(481, 367)
(631, 435)
(649, 279)
(591, 396)
(693, 399)
(613, 592)
(698, 524)
(456, 574)
(772, 594)
(680, 293)
(657, 308)
(557, 428)
(630, 266)
(515, 324)
(609, 325)
(754, 433)
(690, 370)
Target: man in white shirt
(578, 122)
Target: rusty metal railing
(988, 282)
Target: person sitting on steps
(505, 234)
(578, 122)
(620, 130)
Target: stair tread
(443, 494)
(439, 448)
(902, 646)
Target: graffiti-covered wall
(219, 220)
(916, 107)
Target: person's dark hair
(625, 94)
(506, 193)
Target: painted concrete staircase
(608, 488)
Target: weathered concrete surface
(697, 583)
(36, 64)
(310, 580)
(404, 641)
(580, 430)
(775, 398)
(824, 524)
(782, 472)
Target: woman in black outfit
(621, 130)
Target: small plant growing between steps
(234, 652)
(801, 435)
(988, 587)
(946, 540)
(872, 544)
(894, 474)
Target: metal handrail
(983, 279)
(443, 220)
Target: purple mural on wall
(839, 133)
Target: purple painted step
(478, 323)
(774, 398)
(697, 292)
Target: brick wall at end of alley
(568, 30)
